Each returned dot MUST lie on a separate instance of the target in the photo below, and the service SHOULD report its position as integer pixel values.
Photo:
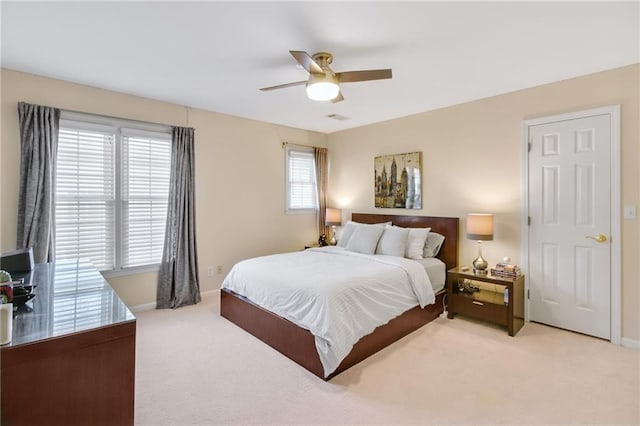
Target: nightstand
(489, 303)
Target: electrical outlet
(219, 269)
(210, 271)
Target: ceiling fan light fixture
(322, 88)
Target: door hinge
(529, 146)
(528, 294)
(529, 220)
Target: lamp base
(333, 241)
(480, 264)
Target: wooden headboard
(447, 226)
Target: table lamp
(333, 219)
(480, 228)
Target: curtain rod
(111, 116)
(285, 143)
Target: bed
(299, 344)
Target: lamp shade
(333, 217)
(322, 88)
(480, 227)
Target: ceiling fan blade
(282, 86)
(306, 61)
(338, 98)
(365, 75)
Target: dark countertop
(71, 296)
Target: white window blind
(146, 162)
(112, 186)
(302, 192)
(85, 196)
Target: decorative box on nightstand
(489, 298)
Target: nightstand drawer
(467, 305)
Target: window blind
(146, 162)
(112, 186)
(85, 196)
(301, 179)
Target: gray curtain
(38, 149)
(322, 171)
(178, 283)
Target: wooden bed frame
(298, 344)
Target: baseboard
(210, 293)
(144, 307)
(151, 306)
(630, 343)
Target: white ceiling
(216, 55)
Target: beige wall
(239, 175)
(471, 163)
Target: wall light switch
(630, 212)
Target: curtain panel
(178, 282)
(39, 127)
(322, 171)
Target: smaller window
(302, 192)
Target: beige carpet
(196, 368)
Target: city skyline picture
(398, 181)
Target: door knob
(598, 238)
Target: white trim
(117, 243)
(96, 119)
(616, 248)
(142, 133)
(86, 126)
(151, 306)
(616, 227)
(209, 293)
(143, 269)
(144, 307)
(630, 343)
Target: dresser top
(71, 296)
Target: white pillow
(347, 231)
(416, 243)
(365, 238)
(393, 241)
(433, 244)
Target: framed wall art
(398, 181)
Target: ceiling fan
(324, 84)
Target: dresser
(71, 360)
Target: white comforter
(338, 295)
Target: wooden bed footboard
(299, 345)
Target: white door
(570, 224)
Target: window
(302, 192)
(112, 185)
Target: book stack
(506, 270)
